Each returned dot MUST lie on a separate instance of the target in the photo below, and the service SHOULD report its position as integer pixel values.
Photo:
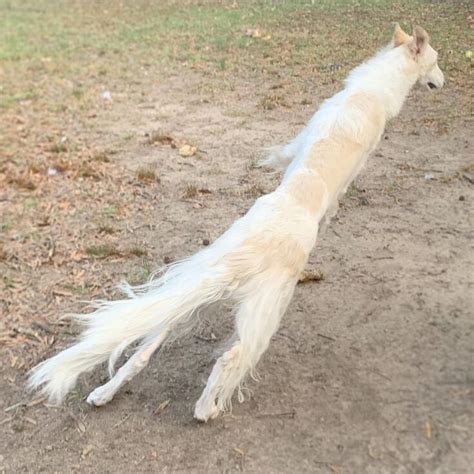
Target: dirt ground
(371, 370)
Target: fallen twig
(289, 414)
(329, 338)
(123, 420)
(25, 404)
(162, 407)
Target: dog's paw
(205, 411)
(100, 396)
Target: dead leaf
(187, 150)
(311, 275)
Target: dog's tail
(157, 308)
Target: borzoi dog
(257, 261)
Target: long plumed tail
(163, 305)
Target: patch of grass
(254, 191)
(87, 171)
(101, 157)
(103, 251)
(8, 282)
(323, 38)
(148, 175)
(221, 63)
(140, 275)
(58, 108)
(78, 92)
(110, 211)
(161, 138)
(106, 229)
(58, 148)
(22, 182)
(273, 101)
(128, 136)
(111, 250)
(137, 251)
(7, 100)
(6, 224)
(354, 191)
(75, 289)
(190, 192)
(390, 187)
(30, 203)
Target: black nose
(431, 85)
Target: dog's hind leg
(257, 319)
(103, 394)
(280, 156)
(277, 159)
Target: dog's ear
(420, 40)
(399, 36)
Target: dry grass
(103, 251)
(148, 175)
(158, 137)
(273, 101)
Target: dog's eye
(431, 85)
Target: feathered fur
(257, 261)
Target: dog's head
(423, 55)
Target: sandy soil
(371, 370)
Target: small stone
(107, 96)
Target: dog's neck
(348, 126)
(390, 75)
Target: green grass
(30, 203)
(102, 251)
(174, 30)
(83, 41)
(141, 274)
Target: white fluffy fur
(258, 260)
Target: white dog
(258, 260)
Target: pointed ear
(420, 40)
(399, 36)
